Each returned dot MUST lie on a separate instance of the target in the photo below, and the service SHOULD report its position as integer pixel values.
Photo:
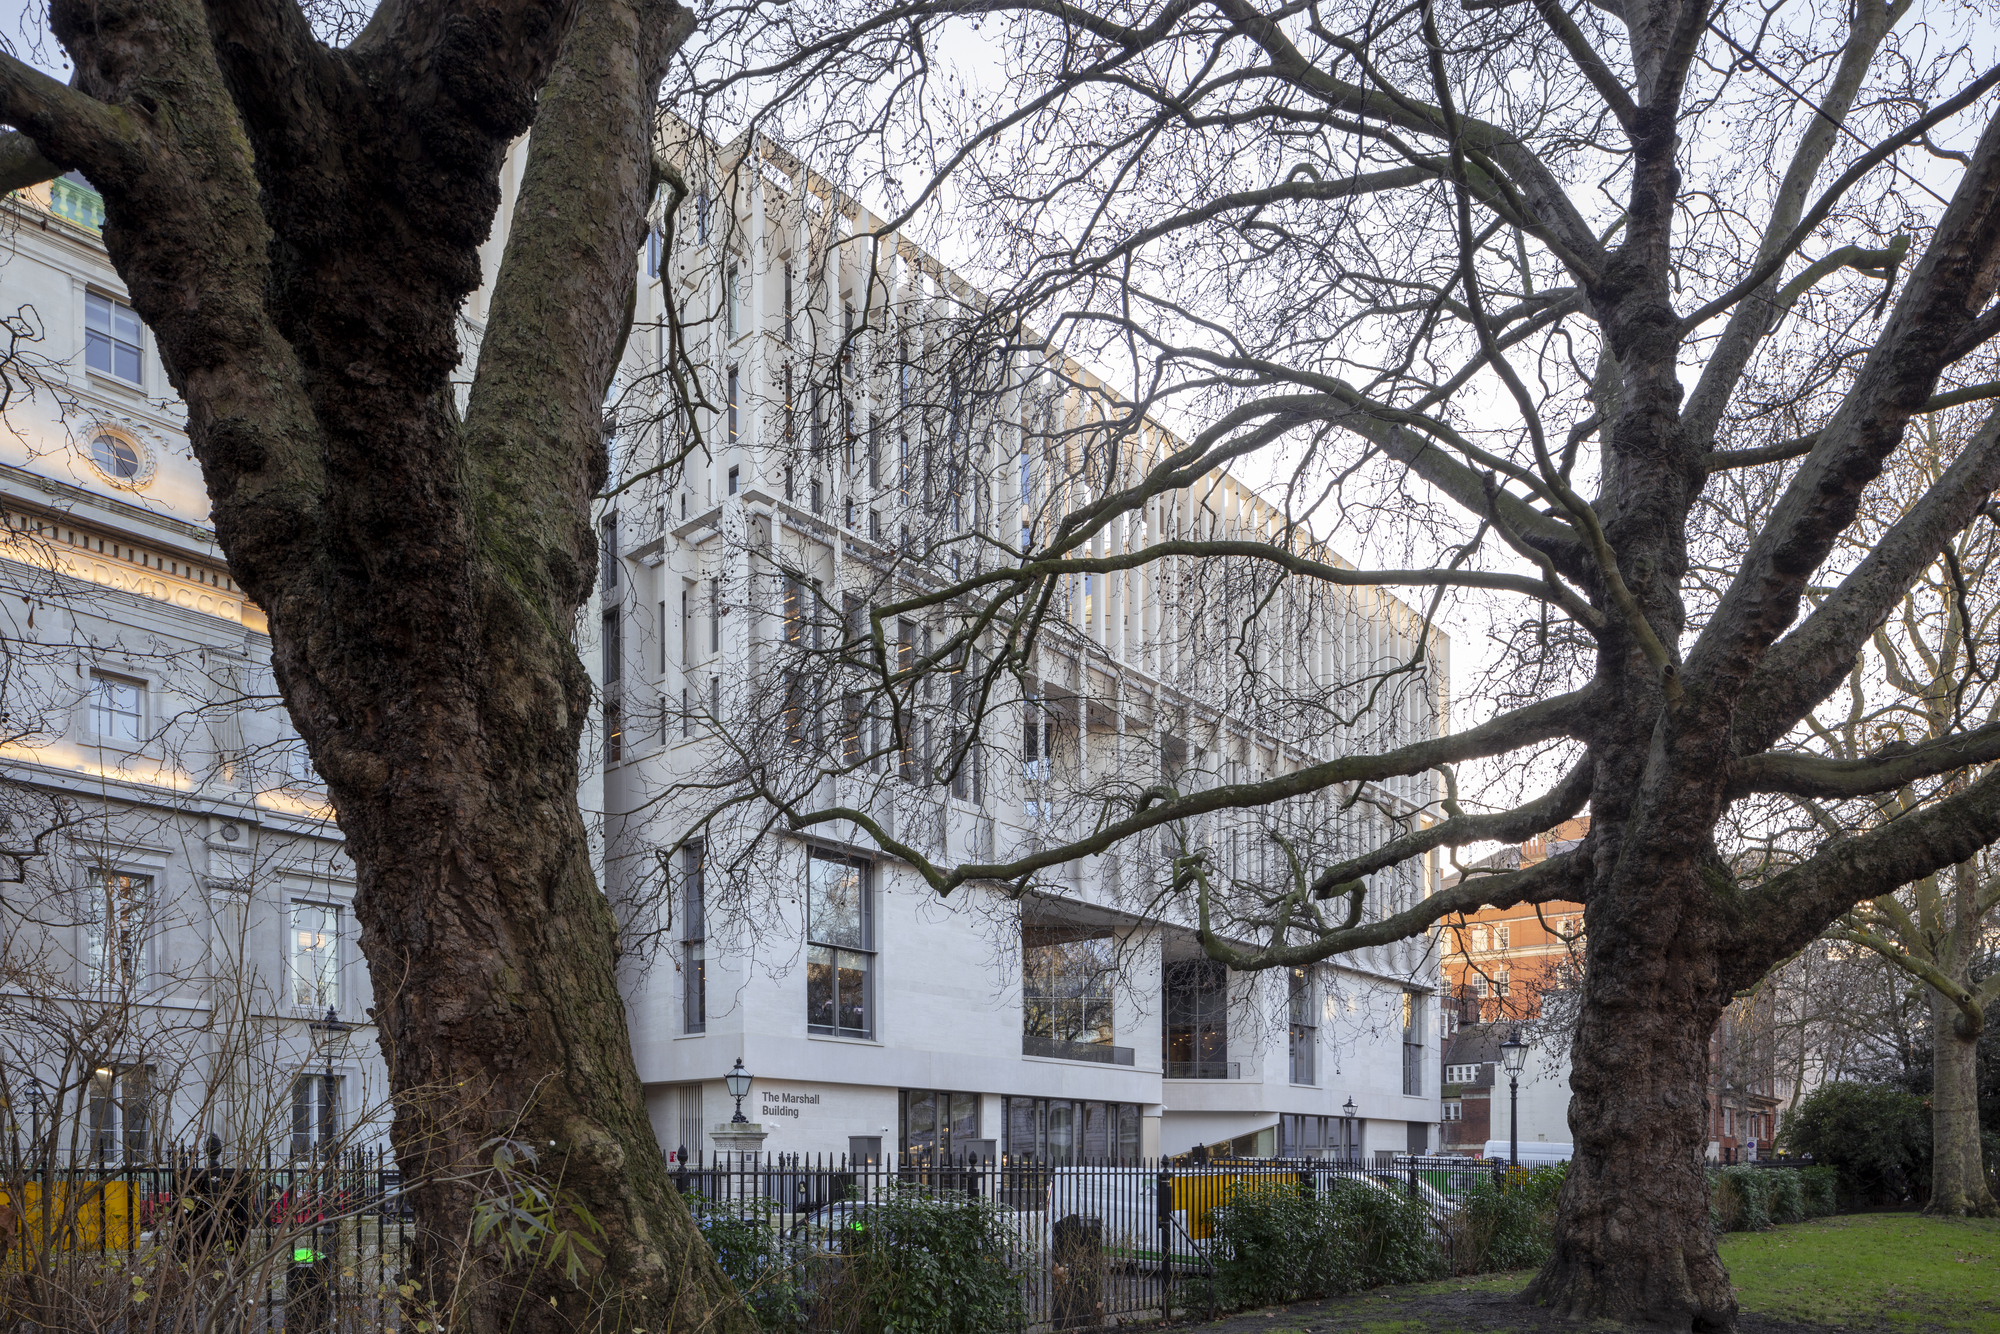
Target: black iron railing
(1033, 1044)
(1204, 1070)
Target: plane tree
(1501, 291)
(299, 224)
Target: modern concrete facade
(849, 460)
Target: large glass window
(111, 338)
(1413, 1043)
(1196, 1019)
(936, 1124)
(315, 1114)
(120, 1118)
(1066, 986)
(1304, 1026)
(116, 913)
(840, 936)
(315, 956)
(1308, 1136)
(117, 708)
(1059, 1130)
(694, 941)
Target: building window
(1304, 1031)
(715, 605)
(1196, 1019)
(120, 1114)
(1461, 1074)
(1452, 1110)
(701, 215)
(1307, 1136)
(688, 1113)
(875, 525)
(732, 481)
(112, 336)
(1501, 936)
(935, 1125)
(115, 457)
(788, 323)
(1058, 1130)
(840, 944)
(116, 922)
(735, 385)
(315, 1114)
(117, 708)
(735, 318)
(614, 647)
(1066, 976)
(614, 727)
(694, 940)
(314, 965)
(1413, 1043)
(815, 496)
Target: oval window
(115, 457)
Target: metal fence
(310, 1245)
(1092, 1244)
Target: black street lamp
(332, 1028)
(329, 1029)
(1353, 1149)
(737, 1081)
(1514, 1053)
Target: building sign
(777, 1102)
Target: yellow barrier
(1197, 1193)
(93, 1215)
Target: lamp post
(1514, 1053)
(328, 1029)
(737, 1081)
(1347, 1108)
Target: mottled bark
(299, 228)
(1958, 1172)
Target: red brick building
(1499, 963)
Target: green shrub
(768, 1270)
(1507, 1224)
(1877, 1136)
(1392, 1233)
(1744, 1197)
(1281, 1241)
(1278, 1242)
(922, 1263)
(1750, 1199)
(1821, 1188)
(1786, 1202)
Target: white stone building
(1081, 1022)
(175, 917)
(861, 447)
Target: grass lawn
(1899, 1270)
(1896, 1273)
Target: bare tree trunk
(1633, 1240)
(299, 227)
(1958, 1171)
